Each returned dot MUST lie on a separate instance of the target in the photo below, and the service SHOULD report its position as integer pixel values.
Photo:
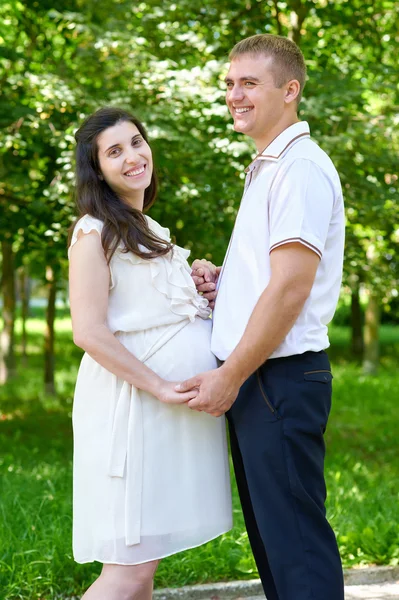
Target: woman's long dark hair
(122, 223)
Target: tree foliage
(166, 62)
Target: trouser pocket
(265, 395)
(321, 376)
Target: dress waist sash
(126, 444)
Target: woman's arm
(88, 284)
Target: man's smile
(240, 110)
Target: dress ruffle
(171, 276)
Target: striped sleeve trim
(300, 241)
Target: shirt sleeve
(300, 206)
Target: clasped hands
(217, 391)
(205, 276)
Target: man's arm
(293, 269)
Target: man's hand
(205, 275)
(217, 391)
(166, 392)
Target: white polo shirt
(292, 194)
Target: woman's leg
(120, 582)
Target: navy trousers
(276, 429)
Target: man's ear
(292, 90)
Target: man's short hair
(288, 60)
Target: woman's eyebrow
(113, 146)
(138, 135)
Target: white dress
(150, 479)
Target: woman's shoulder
(86, 224)
(162, 232)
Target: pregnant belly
(183, 355)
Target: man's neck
(272, 134)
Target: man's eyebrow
(138, 135)
(245, 78)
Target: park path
(373, 591)
(370, 583)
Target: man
(277, 291)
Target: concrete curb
(370, 575)
(253, 587)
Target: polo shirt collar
(275, 150)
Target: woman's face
(125, 161)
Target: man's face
(254, 101)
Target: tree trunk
(371, 342)
(7, 360)
(298, 14)
(357, 345)
(24, 293)
(277, 15)
(49, 383)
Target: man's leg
(257, 546)
(279, 419)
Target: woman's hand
(202, 271)
(205, 276)
(166, 393)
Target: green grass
(35, 475)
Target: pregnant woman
(151, 476)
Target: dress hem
(105, 562)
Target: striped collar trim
(282, 143)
